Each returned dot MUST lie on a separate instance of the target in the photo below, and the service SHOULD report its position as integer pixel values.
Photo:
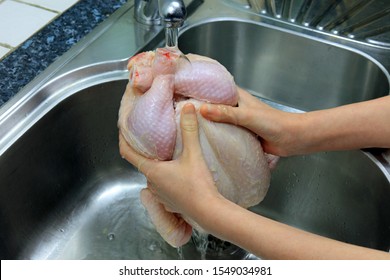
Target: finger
(189, 129)
(219, 113)
(247, 100)
(151, 187)
(154, 190)
(142, 163)
(169, 208)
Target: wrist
(208, 210)
(292, 134)
(218, 216)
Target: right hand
(275, 128)
(185, 184)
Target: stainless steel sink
(297, 71)
(337, 194)
(67, 194)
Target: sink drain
(211, 247)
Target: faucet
(171, 13)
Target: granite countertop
(43, 48)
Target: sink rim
(22, 115)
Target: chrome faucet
(170, 13)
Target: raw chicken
(161, 82)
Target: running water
(180, 253)
(171, 43)
(201, 241)
(171, 37)
(211, 247)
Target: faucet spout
(171, 13)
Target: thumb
(219, 113)
(189, 129)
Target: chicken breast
(160, 83)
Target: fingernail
(188, 108)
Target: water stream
(171, 37)
(201, 241)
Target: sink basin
(342, 195)
(67, 194)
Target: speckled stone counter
(38, 52)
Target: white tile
(19, 21)
(56, 5)
(3, 51)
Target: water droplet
(152, 247)
(111, 236)
(155, 246)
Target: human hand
(184, 185)
(276, 128)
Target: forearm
(273, 240)
(355, 126)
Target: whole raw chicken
(160, 83)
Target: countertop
(38, 52)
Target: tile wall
(20, 19)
